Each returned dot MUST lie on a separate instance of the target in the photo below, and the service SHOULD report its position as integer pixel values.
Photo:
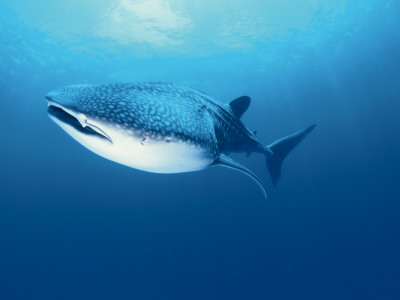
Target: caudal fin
(280, 149)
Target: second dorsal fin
(239, 106)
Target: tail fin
(280, 149)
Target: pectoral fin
(224, 160)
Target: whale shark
(163, 127)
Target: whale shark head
(70, 108)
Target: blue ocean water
(76, 226)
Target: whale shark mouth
(76, 121)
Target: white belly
(152, 155)
(155, 156)
(168, 155)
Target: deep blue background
(75, 226)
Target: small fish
(163, 127)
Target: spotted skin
(163, 127)
(163, 111)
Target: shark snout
(52, 95)
(61, 98)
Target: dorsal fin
(239, 106)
